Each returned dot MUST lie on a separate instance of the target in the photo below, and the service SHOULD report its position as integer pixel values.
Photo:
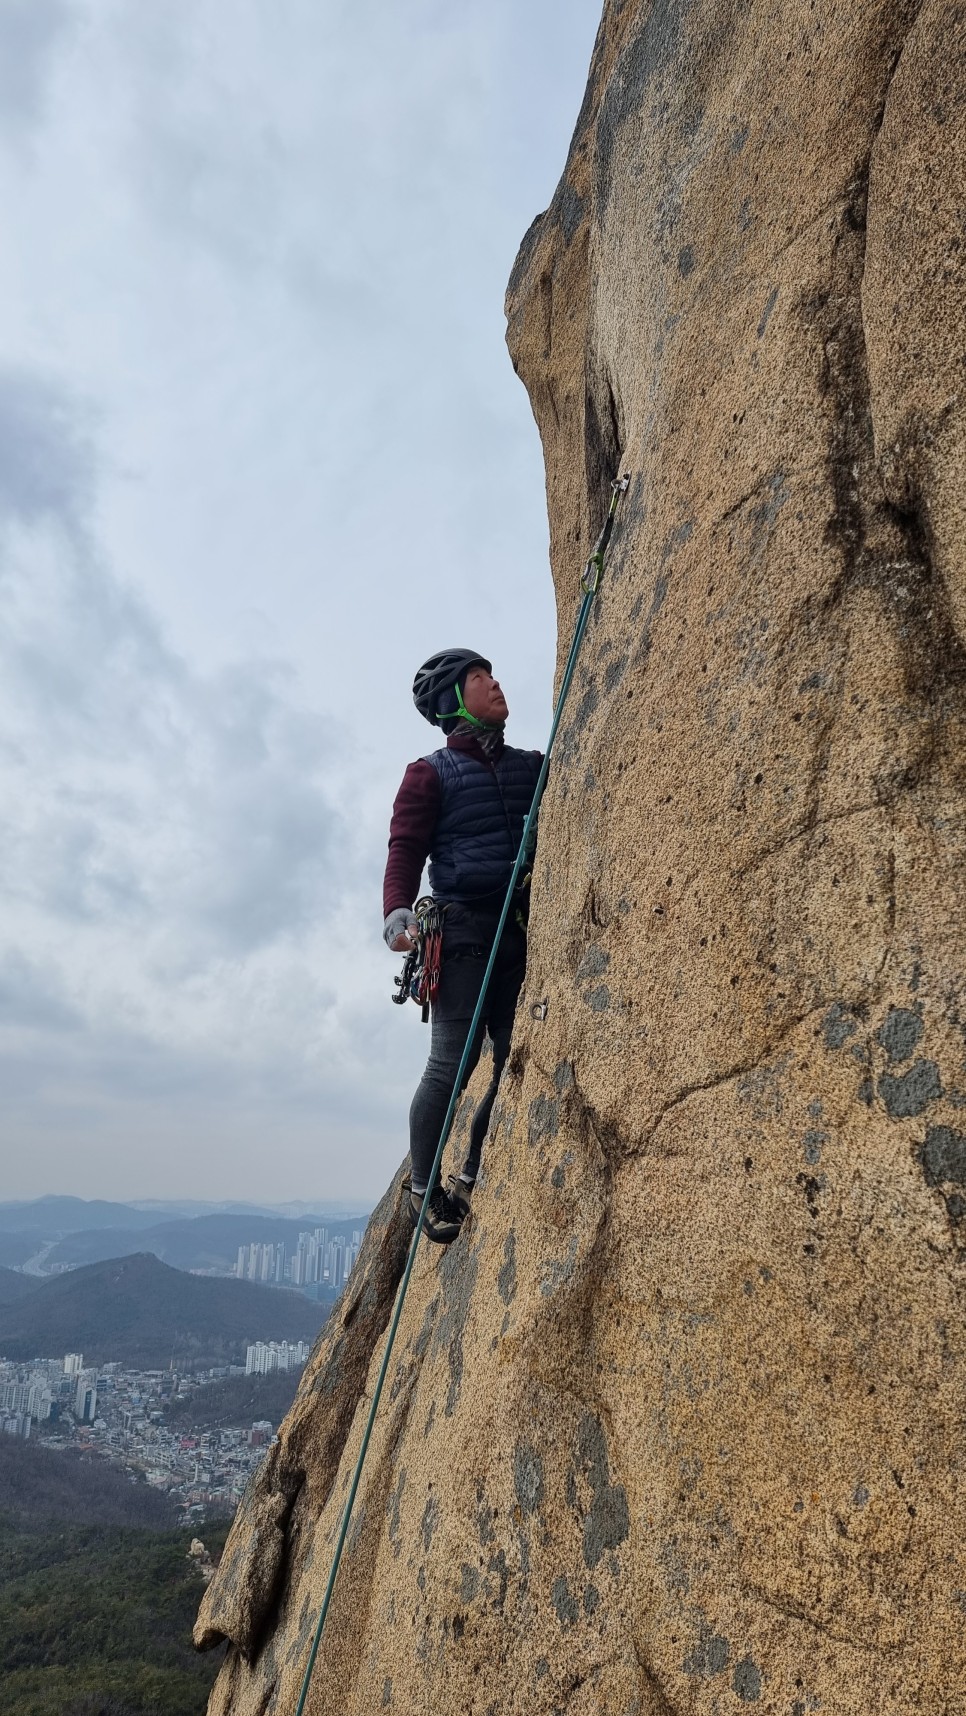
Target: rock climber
(464, 808)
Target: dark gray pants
(459, 989)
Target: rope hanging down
(590, 584)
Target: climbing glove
(399, 922)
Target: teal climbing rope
(589, 584)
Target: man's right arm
(411, 830)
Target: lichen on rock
(676, 1425)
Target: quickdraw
(419, 979)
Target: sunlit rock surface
(678, 1424)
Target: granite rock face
(677, 1425)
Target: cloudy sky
(261, 451)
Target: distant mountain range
(46, 1217)
(54, 1216)
(54, 1233)
(144, 1314)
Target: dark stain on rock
(614, 673)
(591, 1599)
(386, 1693)
(813, 1142)
(506, 1280)
(395, 1502)
(763, 1089)
(564, 1602)
(812, 1185)
(686, 260)
(661, 588)
(598, 1000)
(557, 1178)
(497, 1567)
(910, 1092)
(770, 303)
(838, 1025)
(594, 963)
(544, 1118)
(607, 1521)
(469, 1582)
(943, 1156)
(484, 1519)
(541, 1667)
(430, 1521)
(681, 534)
(592, 1449)
(570, 209)
(563, 1077)
(759, 514)
(587, 705)
(739, 138)
(746, 1680)
(900, 1033)
(528, 1477)
(457, 1274)
(675, 1567)
(708, 1656)
(866, 1092)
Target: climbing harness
(590, 584)
(419, 979)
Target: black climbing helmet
(435, 682)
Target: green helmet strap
(461, 709)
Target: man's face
(483, 698)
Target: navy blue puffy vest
(482, 810)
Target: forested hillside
(97, 1593)
(235, 1400)
(39, 1485)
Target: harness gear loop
(618, 488)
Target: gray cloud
(262, 450)
(46, 464)
(31, 31)
(155, 793)
(31, 996)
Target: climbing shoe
(444, 1216)
(459, 1191)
